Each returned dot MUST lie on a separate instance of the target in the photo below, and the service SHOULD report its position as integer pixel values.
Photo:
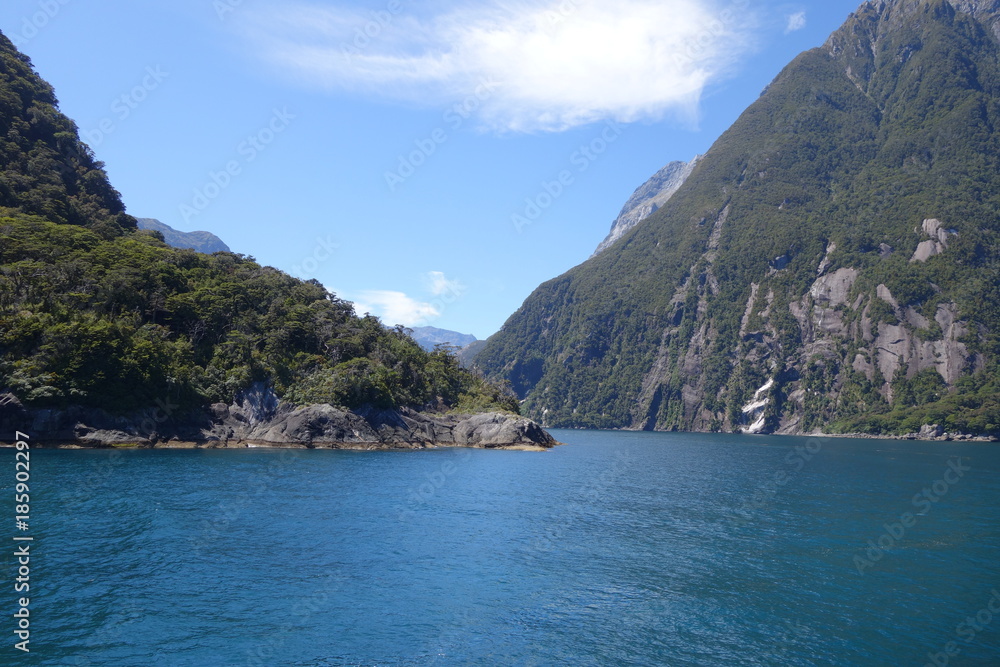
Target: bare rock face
(898, 348)
(648, 199)
(833, 313)
(937, 243)
(931, 431)
(314, 425)
(832, 290)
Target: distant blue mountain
(205, 242)
(428, 337)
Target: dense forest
(94, 312)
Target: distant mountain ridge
(205, 242)
(648, 198)
(429, 337)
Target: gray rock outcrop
(648, 199)
(937, 243)
(258, 418)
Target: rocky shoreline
(930, 433)
(258, 419)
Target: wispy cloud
(796, 21)
(395, 308)
(399, 308)
(439, 285)
(556, 64)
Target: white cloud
(796, 22)
(549, 64)
(399, 308)
(439, 285)
(395, 308)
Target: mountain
(832, 263)
(104, 323)
(429, 337)
(467, 355)
(205, 242)
(648, 198)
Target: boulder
(500, 430)
(931, 431)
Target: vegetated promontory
(108, 336)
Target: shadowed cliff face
(829, 264)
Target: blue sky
(433, 162)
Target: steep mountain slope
(832, 262)
(44, 167)
(647, 199)
(467, 355)
(205, 242)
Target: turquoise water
(621, 548)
